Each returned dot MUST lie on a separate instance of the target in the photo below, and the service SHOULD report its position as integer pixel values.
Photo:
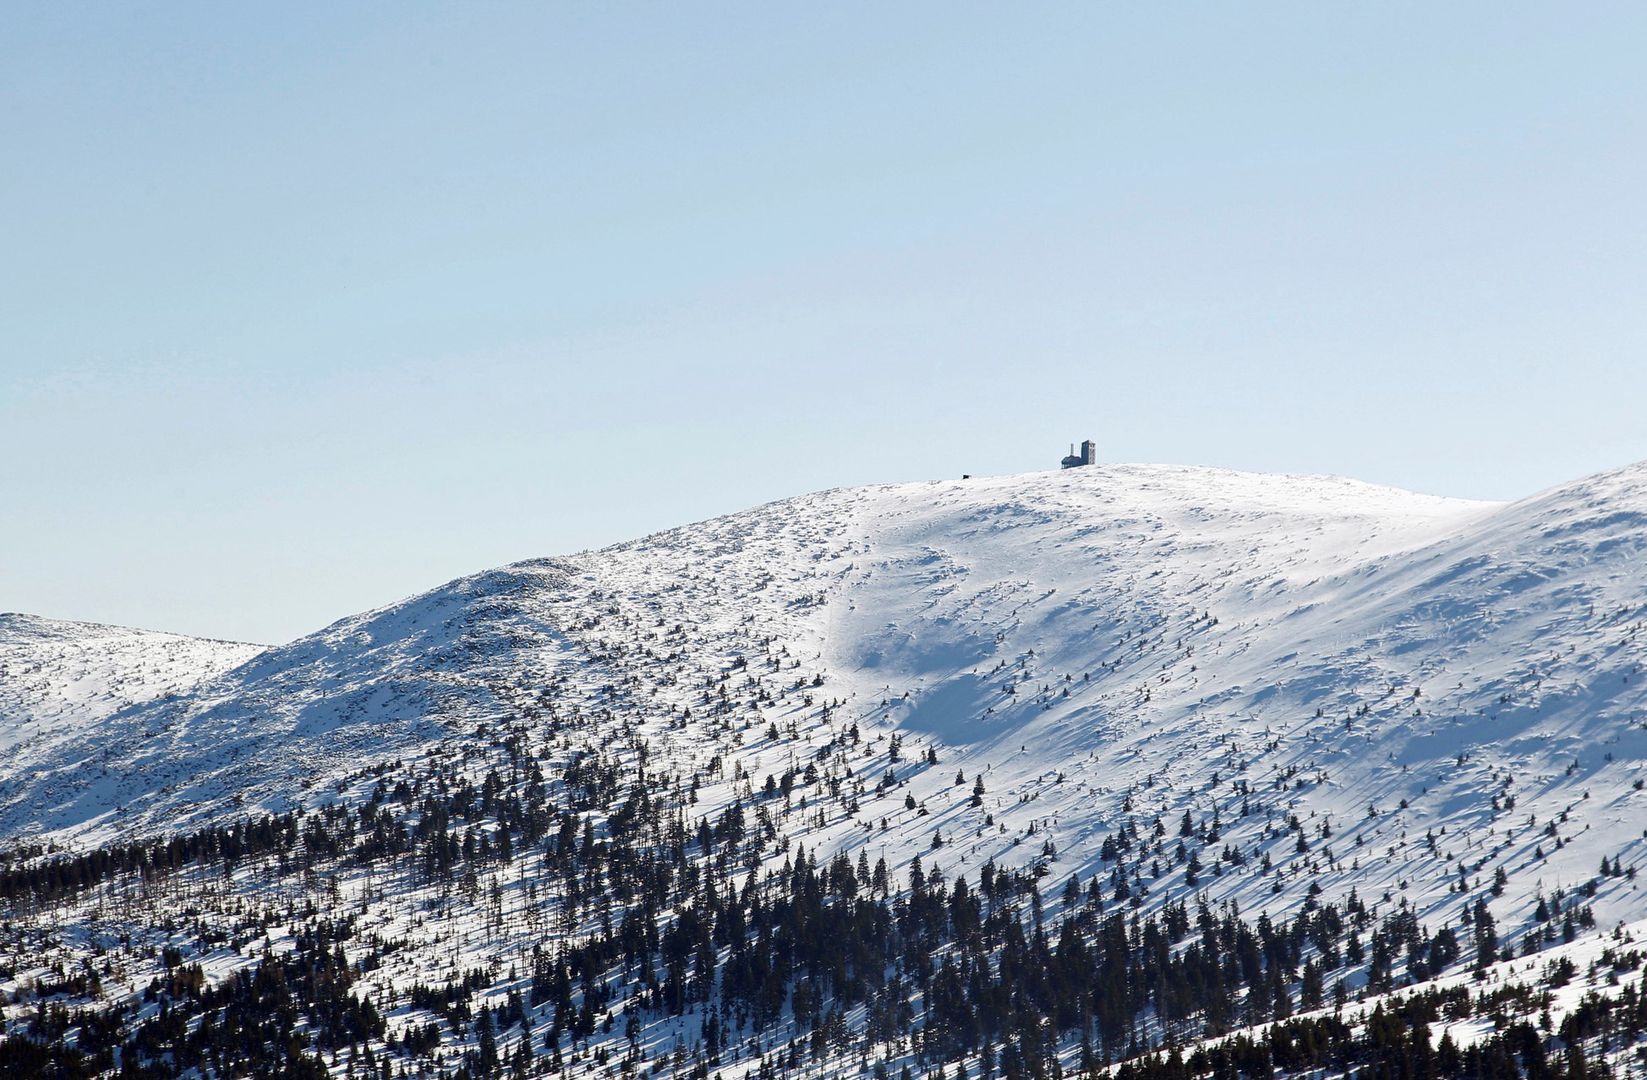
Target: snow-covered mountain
(1357, 688)
(1129, 627)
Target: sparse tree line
(668, 914)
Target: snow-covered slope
(1088, 640)
(1165, 632)
(62, 683)
(60, 675)
(1323, 686)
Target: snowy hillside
(1186, 682)
(63, 681)
(57, 675)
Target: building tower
(1088, 455)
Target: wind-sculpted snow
(1395, 661)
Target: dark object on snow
(1089, 455)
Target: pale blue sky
(307, 307)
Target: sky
(305, 308)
